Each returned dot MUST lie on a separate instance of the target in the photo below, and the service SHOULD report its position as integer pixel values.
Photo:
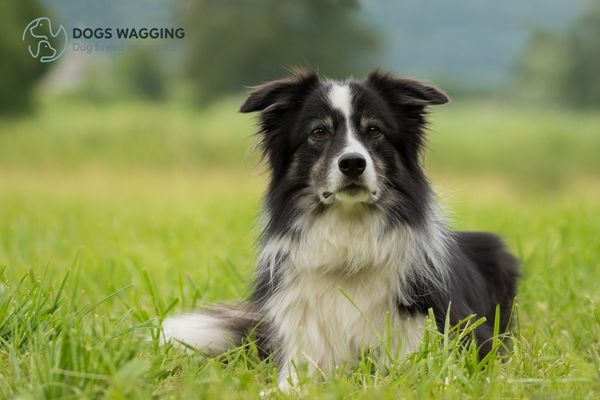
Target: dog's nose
(352, 164)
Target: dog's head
(349, 144)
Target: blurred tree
(541, 67)
(18, 70)
(562, 67)
(580, 85)
(142, 70)
(233, 44)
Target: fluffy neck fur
(348, 242)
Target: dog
(354, 250)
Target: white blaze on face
(340, 98)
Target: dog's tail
(212, 330)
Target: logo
(43, 43)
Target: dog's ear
(406, 91)
(279, 93)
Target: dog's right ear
(279, 93)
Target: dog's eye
(318, 134)
(373, 131)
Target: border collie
(354, 250)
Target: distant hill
(472, 40)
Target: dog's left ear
(279, 93)
(406, 91)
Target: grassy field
(114, 216)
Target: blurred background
(523, 77)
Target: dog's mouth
(352, 192)
(353, 189)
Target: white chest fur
(338, 295)
(325, 321)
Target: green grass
(113, 217)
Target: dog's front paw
(288, 382)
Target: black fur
(470, 272)
(483, 273)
